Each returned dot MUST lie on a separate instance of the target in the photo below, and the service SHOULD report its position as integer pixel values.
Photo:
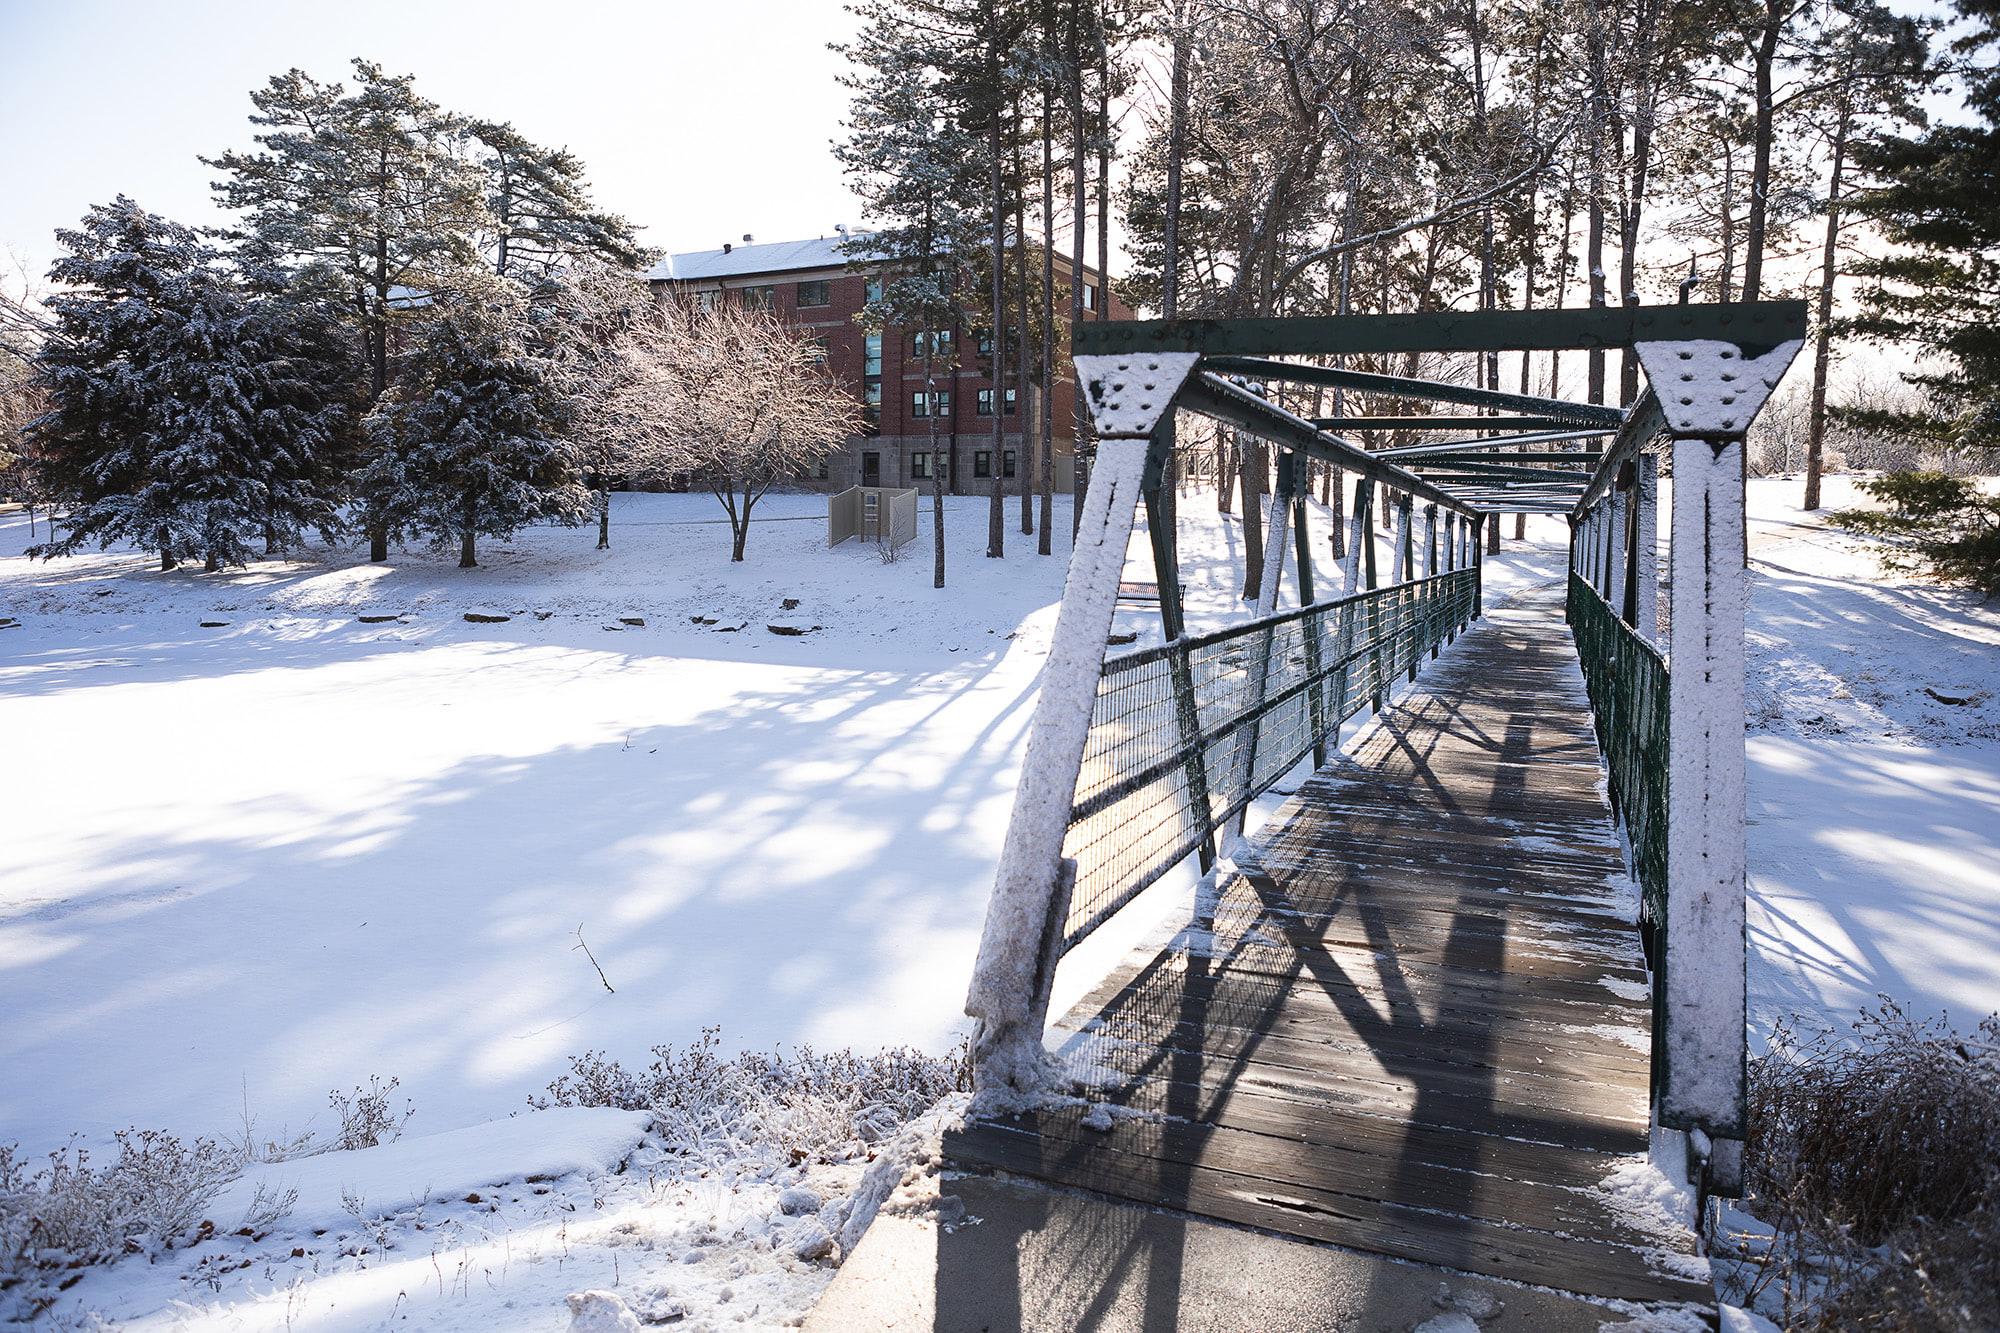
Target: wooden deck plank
(1414, 1021)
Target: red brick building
(811, 285)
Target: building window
(815, 293)
(941, 403)
(871, 355)
(920, 467)
(1013, 397)
(937, 403)
(1089, 297)
(935, 342)
(1007, 462)
(920, 404)
(982, 462)
(706, 300)
(759, 298)
(985, 337)
(984, 407)
(873, 291)
(871, 403)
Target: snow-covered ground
(247, 862)
(1874, 755)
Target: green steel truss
(1515, 453)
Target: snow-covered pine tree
(470, 442)
(921, 174)
(543, 218)
(185, 416)
(364, 195)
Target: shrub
(802, 1106)
(1875, 1157)
(1936, 524)
(366, 1118)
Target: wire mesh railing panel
(1184, 736)
(1626, 679)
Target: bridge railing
(1184, 736)
(1627, 681)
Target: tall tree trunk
(1823, 333)
(1024, 341)
(167, 560)
(1079, 133)
(1043, 541)
(604, 517)
(1594, 246)
(937, 472)
(468, 517)
(1764, 59)
(996, 324)
(1250, 452)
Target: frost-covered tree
(543, 219)
(743, 403)
(471, 440)
(611, 344)
(364, 195)
(185, 415)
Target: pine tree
(185, 415)
(543, 219)
(1942, 294)
(470, 442)
(921, 170)
(363, 195)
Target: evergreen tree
(363, 195)
(470, 442)
(185, 416)
(1941, 294)
(921, 169)
(543, 219)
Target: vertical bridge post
(1709, 392)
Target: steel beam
(1748, 324)
(1584, 460)
(1644, 422)
(1495, 442)
(1401, 386)
(1213, 396)
(1439, 423)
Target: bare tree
(737, 401)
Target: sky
(699, 120)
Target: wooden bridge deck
(1416, 1024)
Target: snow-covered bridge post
(1709, 391)
(1130, 398)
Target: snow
(1874, 808)
(745, 260)
(248, 864)
(245, 866)
(412, 1172)
(1708, 386)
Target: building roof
(744, 260)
